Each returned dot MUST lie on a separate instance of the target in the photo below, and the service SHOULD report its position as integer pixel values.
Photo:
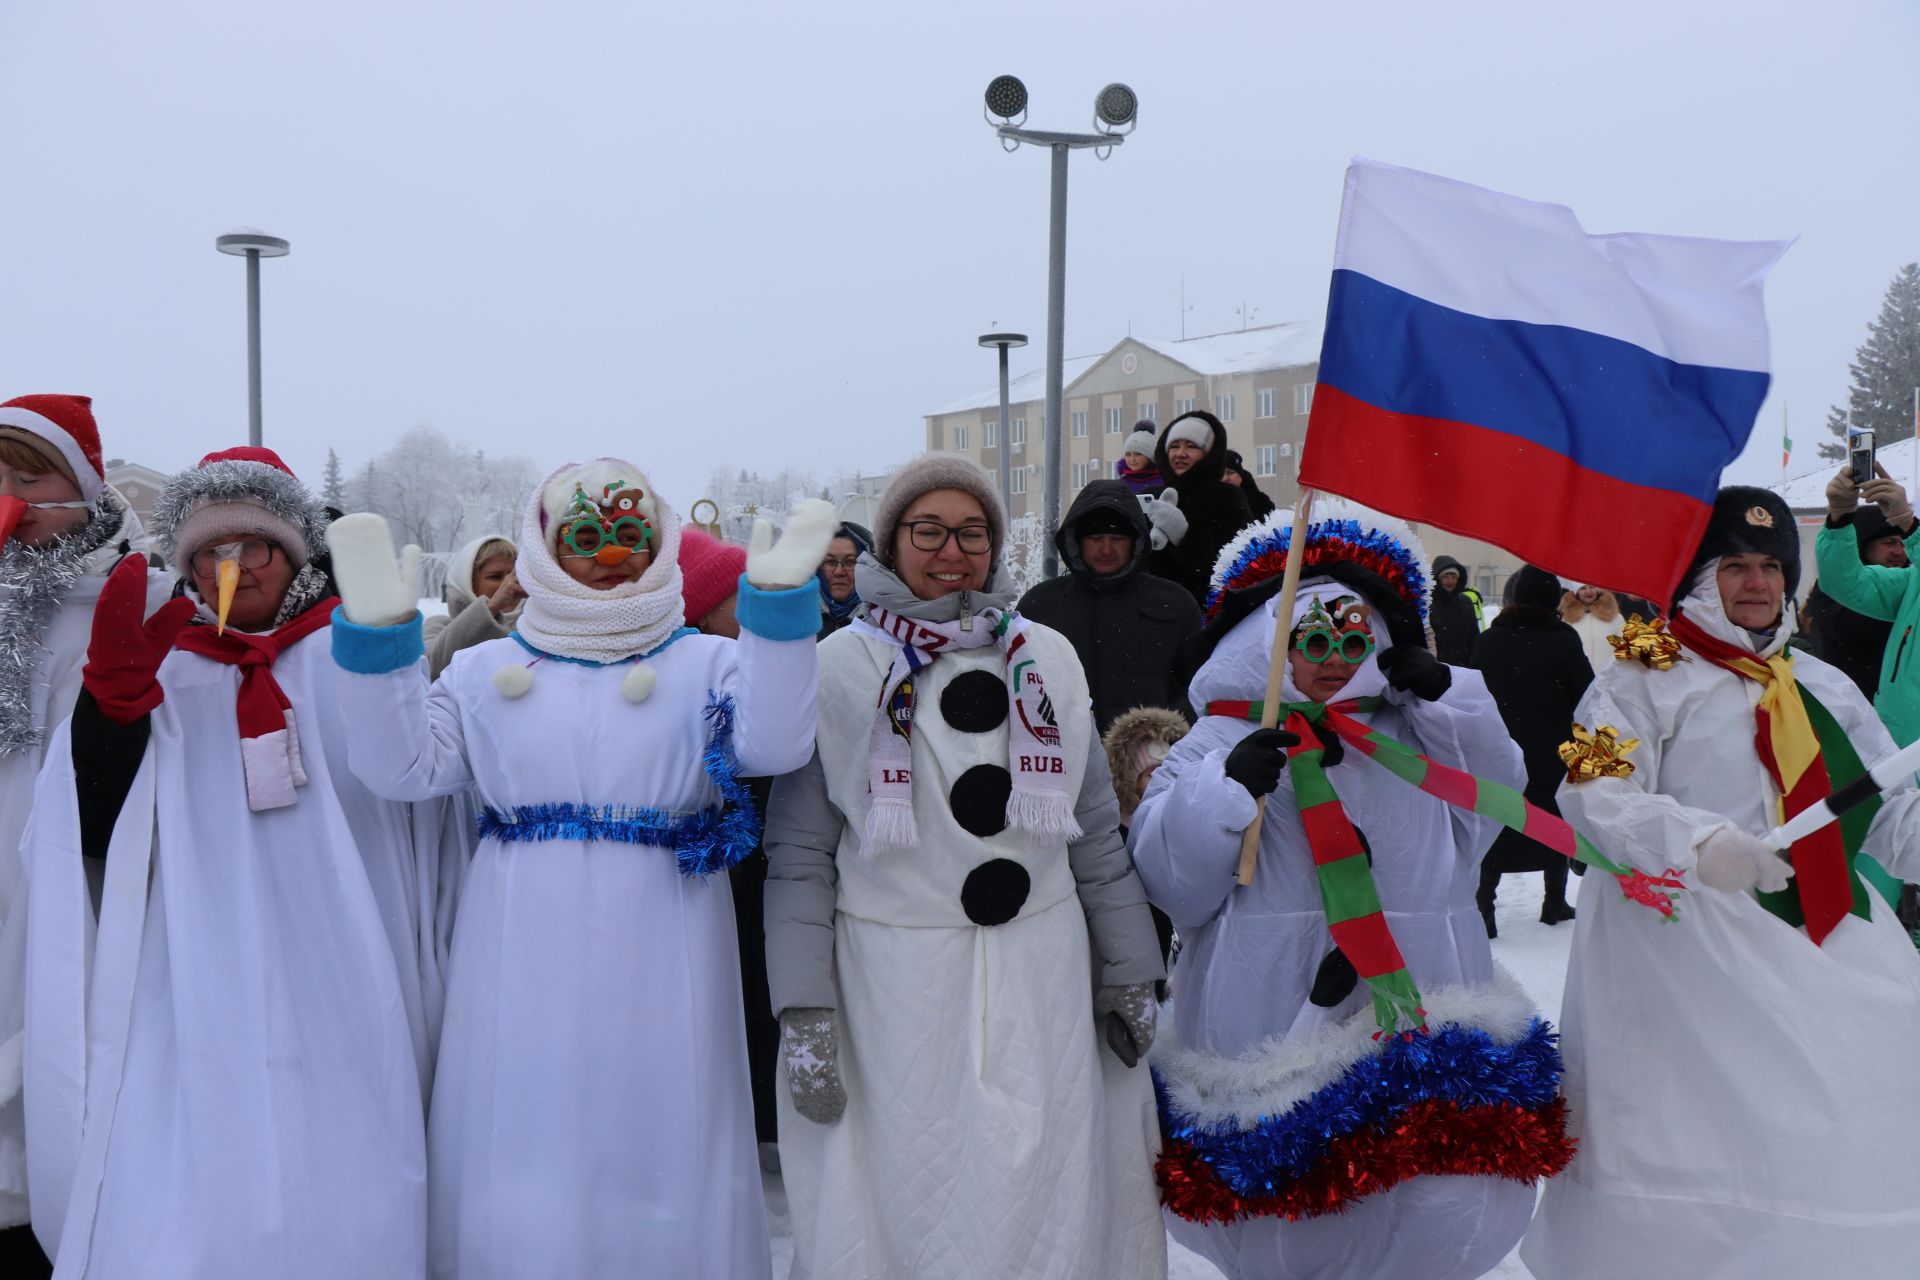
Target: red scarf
(1785, 739)
(269, 744)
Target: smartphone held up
(1860, 455)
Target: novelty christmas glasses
(1340, 631)
(608, 530)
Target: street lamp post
(1004, 341)
(1116, 110)
(252, 245)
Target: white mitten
(1733, 861)
(796, 557)
(1164, 514)
(376, 590)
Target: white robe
(1251, 953)
(56, 685)
(1743, 1099)
(987, 1131)
(228, 1083)
(591, 1113)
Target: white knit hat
(1140, 442)
(1193, 429)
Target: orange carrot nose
(11, 509)
(612, 553)
(227, 575)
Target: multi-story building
(139, 485)
(1258, 382)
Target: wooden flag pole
(1277, 669)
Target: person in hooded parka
(1351, 1088)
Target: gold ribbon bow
(1600, 754)
(1646, 643)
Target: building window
(1263, 464)
(1263, 403)
(1182, 406)
(959, 438)
(1080, 470)
(1113, 421)
(1018, 436)
(1149, 411)
(1303, 399)
(1079, 423)
(1223, 408)
(1017, 481)
(989, 433)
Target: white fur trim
(513, 681)
(637, 684)
(1279, 1073)
(88, 480)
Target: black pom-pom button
(979, 799)
(975, 702)
(995, 891)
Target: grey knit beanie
(924, 474)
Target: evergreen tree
(332, 491)
(1885, 371)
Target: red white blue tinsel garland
(1346, 532)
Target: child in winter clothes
(957, 1103)
(1136, 461)
(483, 600)
(1136, 744)
(1351, 1088)
(1199, 512)
(226, 1079)
(590, 1113)
(62, 531)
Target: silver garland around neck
(33, 583)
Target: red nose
(11, 509)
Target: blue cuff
(375, 651)
(793, 614)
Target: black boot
(1489, 885)
(1555, 908)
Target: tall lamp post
(1116, 109)
(253, 246)
(1004, 341)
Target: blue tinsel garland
(705, 842)
(1349, 531)
(1454, 1064)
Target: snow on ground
(1536, 954)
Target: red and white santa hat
(61, 429)
(236, 494)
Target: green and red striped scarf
(1348, 894)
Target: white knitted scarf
(571, 619)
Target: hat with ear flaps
(1746, 519)
(1377, 555)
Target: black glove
(1257, 759)
(1412, 669)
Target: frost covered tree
(332, 491)
(1885, 371)
(438, 494)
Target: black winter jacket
(1452, 617)
(1215, 511)
(1128, 628)
(1536, 669)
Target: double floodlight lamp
(1116, 108)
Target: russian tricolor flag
(1491, 368)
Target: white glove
(1733, 861)
(376, 590)
(796, 557)
(1163, 513)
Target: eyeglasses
(931, 535)
(254, 554)
(1320, 644)
(847, 564)
(589, 534)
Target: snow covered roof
(1809, 489)
(1031, 385)
(1268, 346)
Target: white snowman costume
(591, 1114)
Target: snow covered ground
(1536, 954)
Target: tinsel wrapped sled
(1306, 1126)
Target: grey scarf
(876, 584)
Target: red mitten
(124, 656)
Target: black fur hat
(1747, 519)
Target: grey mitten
(1168, 522)
(1129, 1014)
(811, 1052)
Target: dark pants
(20, 1256)
(1514, 853)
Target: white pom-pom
(513, 681)
(638, 684)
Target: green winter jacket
(1892, 595)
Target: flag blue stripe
(1608, 405)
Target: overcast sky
(769, 234)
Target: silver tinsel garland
(33, 583)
